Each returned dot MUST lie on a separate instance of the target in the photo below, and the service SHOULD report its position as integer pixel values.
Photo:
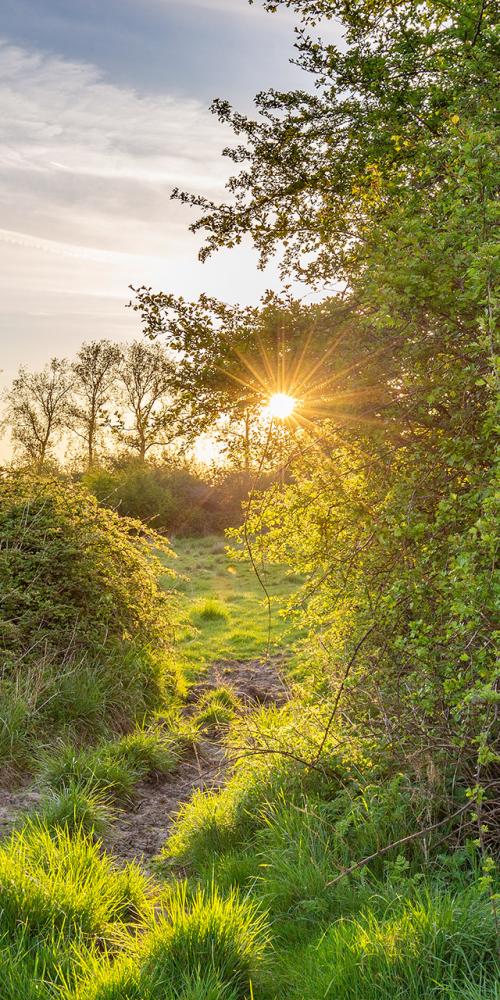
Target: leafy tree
(385, 177)
(37, 410)
(231, 359)
(95, 375)
(145, 378)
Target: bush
(172, 500)
(73, 577)
(85, 626)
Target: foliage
(385, 177)
(75, 578)
(174, 500)
(233, 359)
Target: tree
(145, 376)
(385, 177)
(37, 409)
(231, 359)
(95, 375)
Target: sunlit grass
(227, 615)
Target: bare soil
(13, 803)
(139, 832)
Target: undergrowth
(249, 900)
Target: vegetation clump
(85, 626)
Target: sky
(103, 110)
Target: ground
(228, 637)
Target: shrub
(172, 500)
(73, 577)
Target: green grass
(426, 946)
(61, 901)
(114, 767)
(78, 808)
(217, 709)
(226, 614)
(260, 916)
(201, 943)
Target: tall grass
(61, 899)
(429, 946)
(199, 944)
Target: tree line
(108, 389)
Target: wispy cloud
(79, 153)
(86, 171)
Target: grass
(226, 609)
(113, 768)
(217, 709)
(78, 808)
(258, 914)
(61, 901)
(425, 946)
(82, 701)
(200, 944)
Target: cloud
(84, 156)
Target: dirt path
(139, 832)
(14, 802)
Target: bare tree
(37, 409)
(95, 373)
(145, 373)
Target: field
(226, 611)
(196, 858)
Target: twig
(397, 843)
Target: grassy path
(222, 647)
(139, 832)
(245, 903)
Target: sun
(280, 406)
